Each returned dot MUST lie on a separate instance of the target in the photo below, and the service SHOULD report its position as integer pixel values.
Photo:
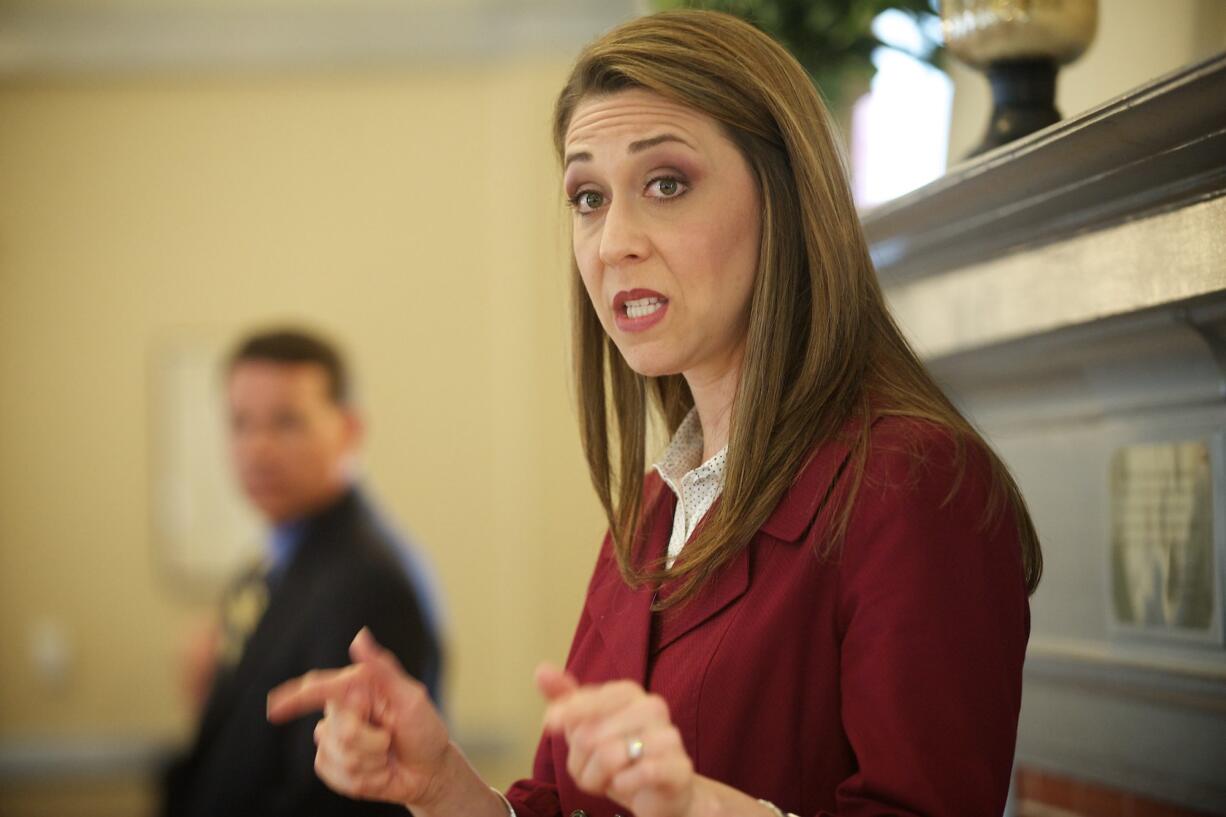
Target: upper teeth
(643, 307)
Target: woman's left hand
(622, 744)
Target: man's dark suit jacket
(347, 572)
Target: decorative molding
(1057, 793)
(1058, 757)
(101, 42)
(1150, 675)
(1139, 363)
(1102, 216)
(1150, 150)
(1162, 260)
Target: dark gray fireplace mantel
(1069, 290)
(1116, 210)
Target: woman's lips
(636, 310)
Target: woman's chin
(650, 365)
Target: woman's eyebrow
(635, 147)
(644, 144)
(581, 156)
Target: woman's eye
(666, 187)
(585, 201)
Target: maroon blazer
(885, 679)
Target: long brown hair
(822, 348)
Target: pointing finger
(308, 693)
(591, 702)
(554, 683)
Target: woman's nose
(622, 237)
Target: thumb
(554, 682)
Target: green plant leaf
(832, 39)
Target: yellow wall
(414, 214)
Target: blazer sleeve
(934, 620)
(537, 796)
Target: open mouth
(642, 307)
(637, 310)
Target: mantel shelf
(1118, 210)
(1158, 147)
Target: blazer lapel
(624, 622)
(791, 519)
(724, 588)
(230, 674)
(281, 604)
(284, 601)
(801, 503)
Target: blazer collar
(800, 504)
(719, 593)
(623, 614)
(791, 519)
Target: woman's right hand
(380, 738)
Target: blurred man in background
(331, 567)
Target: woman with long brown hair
(815, 602)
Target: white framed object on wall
(1167, 541)
(203, 530)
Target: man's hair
(296, 346)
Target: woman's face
(666, 230)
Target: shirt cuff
(505, 802)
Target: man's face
(291, 444)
